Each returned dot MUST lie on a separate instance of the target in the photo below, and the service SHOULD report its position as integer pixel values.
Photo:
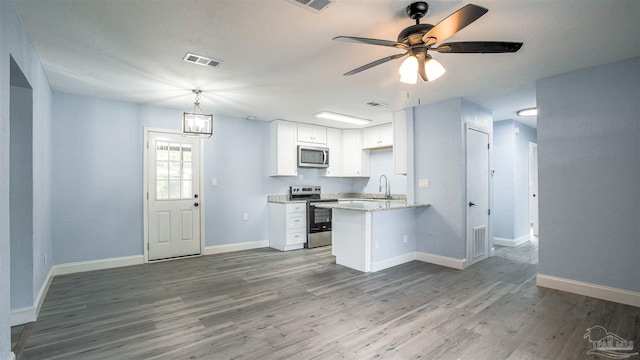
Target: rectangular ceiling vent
(376, 104)
(201, 60)
(315, 6)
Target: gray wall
(510, 214)
(15, 43)
(589, 175)
(440, 157)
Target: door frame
(468, 234)
(534, 211)
(145, 190)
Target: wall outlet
(214, 182)
(301, 177)
(405, 239)
(424, 183)
(376, 245)
(245, 216)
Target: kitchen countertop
(371, 205)
(284, 199)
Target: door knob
(196, 204)
(471, 204)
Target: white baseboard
(23, 315)
(459, 264)
(587, 289)
(391, 262)
(510, 242)
(219, 249)
(91, 265)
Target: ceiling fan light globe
(434, 69)
(409, 70)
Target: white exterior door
(477, 196)
(173, 175)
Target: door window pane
(173, 171)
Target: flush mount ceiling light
(528, 112)
(196, 123)
(341, 117)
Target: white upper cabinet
(400, 146)
(283, 154)
(312, 134)
(334, 143)
(377, 137)
(356, 162)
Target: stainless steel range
(318, 219)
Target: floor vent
(313, 5)
(479, 241)
(201, 60)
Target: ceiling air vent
(376, 104)
(313, 5)
(201, 60)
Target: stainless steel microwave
(313, 157)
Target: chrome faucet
(387, 188)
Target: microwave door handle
(324, 157)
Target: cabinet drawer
(296, 220)
(297, 208)
(296, 236)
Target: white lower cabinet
(287, 225)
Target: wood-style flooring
(265, 304)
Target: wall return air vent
(315, 6)
(201, 60)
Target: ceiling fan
(419, 39)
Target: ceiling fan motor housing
(413, 34)
(417, 10)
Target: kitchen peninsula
(373, 235)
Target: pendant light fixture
(197, 123)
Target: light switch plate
(423, 183)
(214, 182)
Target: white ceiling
(279, 61)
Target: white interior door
(477, 196)
(533, 187)
(173, 175)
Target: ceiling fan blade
(421, 69)
(368, 41)
(478, 47)
(453, 23)
(375, 63)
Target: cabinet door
(312, 134)
(386, 135)
(355, 161)
(377, 137)
(370, 137)
(334, 143)
(283, 155)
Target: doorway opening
(20, 188)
